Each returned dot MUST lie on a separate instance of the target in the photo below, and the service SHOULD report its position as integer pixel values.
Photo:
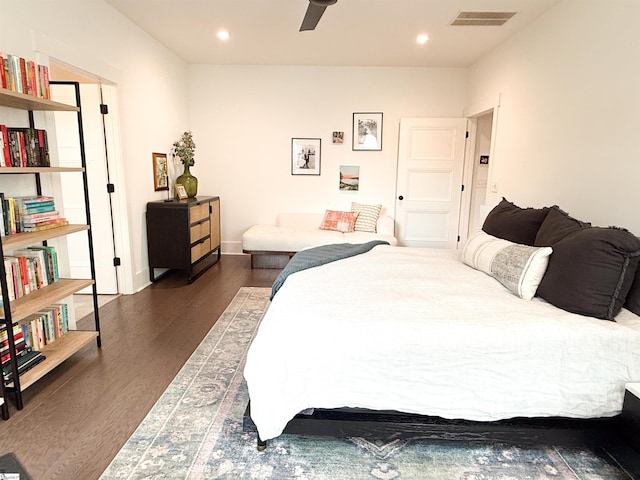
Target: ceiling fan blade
(312, 17)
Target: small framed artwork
(349, 177)
(181, 193)
(367, 131)
(337, 137)
(484, 159)
(160, 172)
(305, 156)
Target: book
(36, 199)
(19, 344)
(35, 218)
(3, 230)
(43, 142)
(31, 78)
(26, 360)
(36, 265)
(15, 147)
(5, 158)
(3, 70)
(14, 82)
(46, 226)
(52, 261)
(9, 277)
(35, 330)
(23, 75)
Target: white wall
(568, 118)
(151, 84)
(244, 117)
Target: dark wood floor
(77, 418)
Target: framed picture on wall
(367, 131)
(349, 177)
(160, 172)
(305, 156)
(484, 159)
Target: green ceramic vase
(188, 181)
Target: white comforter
(416, 330)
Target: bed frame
(346, 422)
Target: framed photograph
(160, 172)
(337, 137)
(367, 131)
(305, 156)
(181, 193)
(349, 177)
(484, 159)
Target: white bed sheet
(416, 330)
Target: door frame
(477, 109)
(48, 48)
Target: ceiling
(350, 33)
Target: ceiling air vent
(482, 19)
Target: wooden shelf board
(40, 169)
(19, 240)
(35, 301)
(9, 98)
(56, 353)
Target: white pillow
(518, 267)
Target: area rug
(195, 432)
(12, 469)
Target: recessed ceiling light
(223, 35)
(422, 38)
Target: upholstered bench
(271, 246)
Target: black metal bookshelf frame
(7, 321)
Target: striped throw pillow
(518, 267)
(367, 216)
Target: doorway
(97, 161)
(480, 170)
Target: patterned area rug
(195, 432)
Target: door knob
(400, 197)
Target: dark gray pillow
(590, 271)
(510, 222)
(557, 225)
(633, 297)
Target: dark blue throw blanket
(316, 256)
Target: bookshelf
(13, 311)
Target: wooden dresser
(183, 234)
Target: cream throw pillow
(367, 216)
(518, 267)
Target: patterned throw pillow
(518, 267)
(367, 218)
(344, 222)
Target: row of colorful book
(30, 269)
(24, 147)
(24, 76)
(29, 214)
(32, 334)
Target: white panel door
(430, 164)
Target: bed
(444, 334)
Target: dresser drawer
(200, 250)
(198, 231)
(198, 212)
